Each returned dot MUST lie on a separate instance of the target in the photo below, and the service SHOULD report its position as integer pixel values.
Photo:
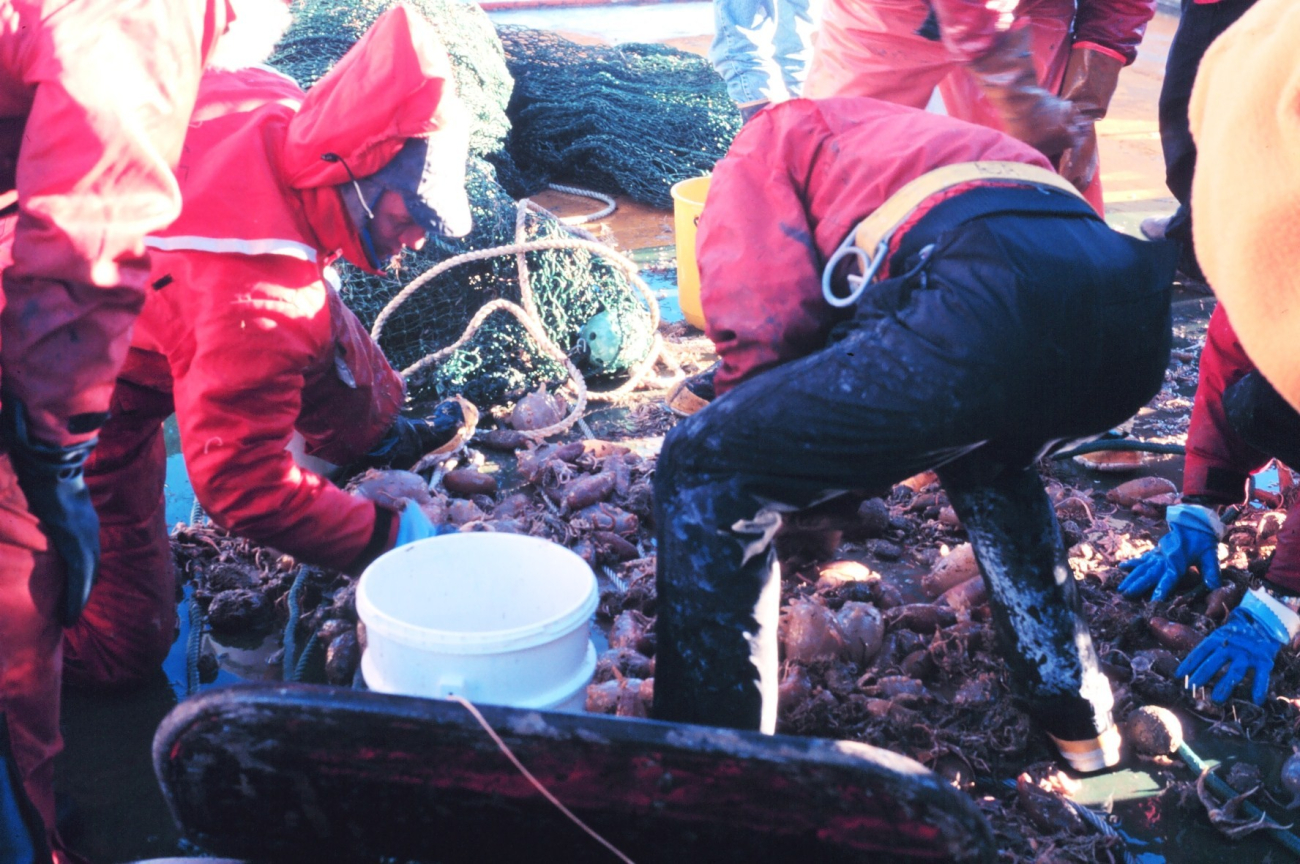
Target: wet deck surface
(106, 768)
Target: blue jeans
(761, 47)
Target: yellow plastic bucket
(688, 204)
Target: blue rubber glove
(1193, 538)
(1247, 642)
(413, 525)
(52, 479)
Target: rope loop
(526, 310)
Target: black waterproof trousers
(1200, 24)
(1263, 419)
(1016, 330)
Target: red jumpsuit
(871, 48)
(246, 340)
(94, 98)
(1219, 460)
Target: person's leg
(1035, 603)
(22, 836)
(1199, 26)
(1262, 418)
(31, 581)
(129, 624)
(724, 480)
(871, 49)
(1112, 350)
(1219, 459)
(1266, 422)
(742, 50)
(796, 21)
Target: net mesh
(324, 30)
(633, 118)
(629, 96)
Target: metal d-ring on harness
(876, 231)
(868, 265)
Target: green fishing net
(631, 119)
(570, 288)
(324, 30)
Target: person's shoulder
(229, 92)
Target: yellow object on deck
(688, 204)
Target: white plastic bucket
(502, 619)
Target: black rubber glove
(51, 477)
(408, 440)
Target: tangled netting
(582, 294)
(629, 118)
(324, 30)
(590, 313)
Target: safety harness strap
(869, 242)
(881, 224)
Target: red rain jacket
(93, 103)
(244, 327)
(968, 27)
(798, 178)
(1219, 462)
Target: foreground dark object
(292, 773)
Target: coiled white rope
(526, 312)
(610, 204)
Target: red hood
(394, 84)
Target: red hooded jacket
(797, 180)
(243, 326)
(93, 103)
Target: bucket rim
(682, 197)
(482, 641)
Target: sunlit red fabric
(255, 341)
(94, 101)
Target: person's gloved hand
(1247, 642)
(1008, 78)
(413, 525)
(1193, 538)
(52, 479)
(408, 440)
(1090, 80)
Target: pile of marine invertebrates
(885, 625)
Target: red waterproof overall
(1231, 438)
(246, 339)
(871, 48)
(94, 98)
